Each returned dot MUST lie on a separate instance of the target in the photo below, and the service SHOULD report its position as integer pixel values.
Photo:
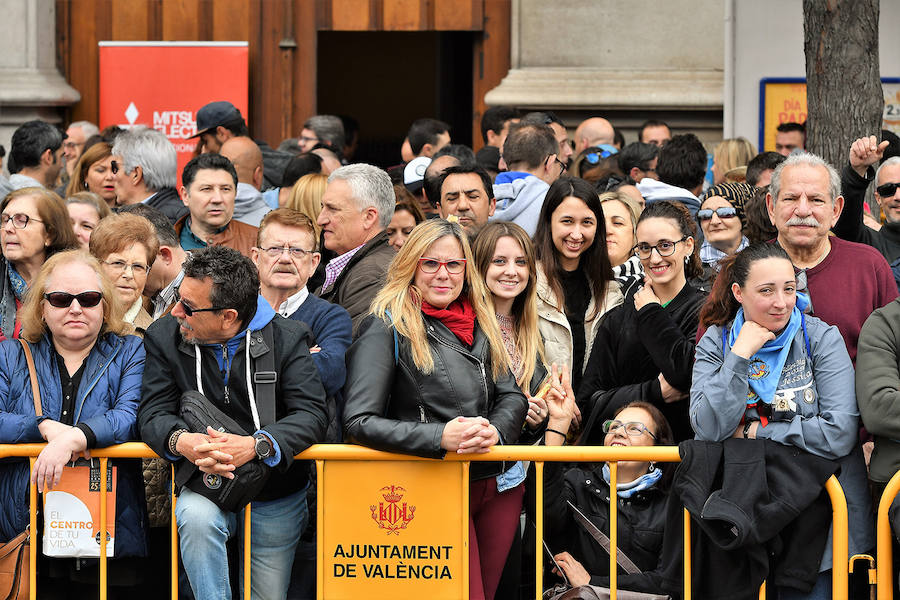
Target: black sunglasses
(189, 311)
(64, 299)
(887, 190)
(724, 212)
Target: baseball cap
(214, 114)
(414, 173)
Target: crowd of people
(547, 289)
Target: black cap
(214, 114)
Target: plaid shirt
(336, 265)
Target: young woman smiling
(575, 284)
(764, 370)
(644, 349)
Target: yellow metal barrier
(884, 541)
(538, 454)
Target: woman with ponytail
(765, 370)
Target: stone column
(31, 87)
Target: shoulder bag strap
(265, 377)
(32, 373)
(627, 565)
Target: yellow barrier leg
(539, 529)
(465, 525)
(320, 519)
(885, 556)
(762, 591)
(687, 555)
(33, 532)
(247, 552)
(613, 529)
(174, 538)
(104, 527)
(840, 543)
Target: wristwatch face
(263, 447)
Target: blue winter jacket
(107, 402)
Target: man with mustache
(467, 193)
(286, 255)
(846, 281)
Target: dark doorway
(386, 80)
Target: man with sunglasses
(223, 340)
(144, 164)
(858, 173)
(531, 154)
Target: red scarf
(459, 317)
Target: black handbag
(198, 412)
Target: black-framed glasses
(663, 248)
(120, 266)
(803, 287)
(563, 166)
(886, 190)
(64, 299)
(431, 265)
(277, 251)
(632, 428)
(724, 212)
(190, 310)
(19, 220)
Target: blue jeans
(204, 529)
(821, 591)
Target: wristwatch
(262, 446)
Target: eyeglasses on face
(119, 266)
(724, 212)
(64, 299)
(632, 428)
(563, 167)
(886, 190)
(431, 265)
(190, 310)
(663, 248)
(19, 220)
(277, 251)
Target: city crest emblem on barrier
(392, 515)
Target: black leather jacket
(391, 405)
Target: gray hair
(329, 129)
(150, 150)
(810, 160)
(892, 161)
(87, 128)
(370, 186)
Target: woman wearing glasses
(575, 285)
(764, 370)
(429, 374)
(641, 499)
(722, 234)
(34, 225)
(89, 371)
(126, 246)
(644, 348)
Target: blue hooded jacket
(107, 402)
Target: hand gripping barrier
(322, 453)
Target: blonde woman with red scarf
(429, 374)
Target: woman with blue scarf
(764, 369)
(640, 489)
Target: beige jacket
(554, 326)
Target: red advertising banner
(163, 84)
